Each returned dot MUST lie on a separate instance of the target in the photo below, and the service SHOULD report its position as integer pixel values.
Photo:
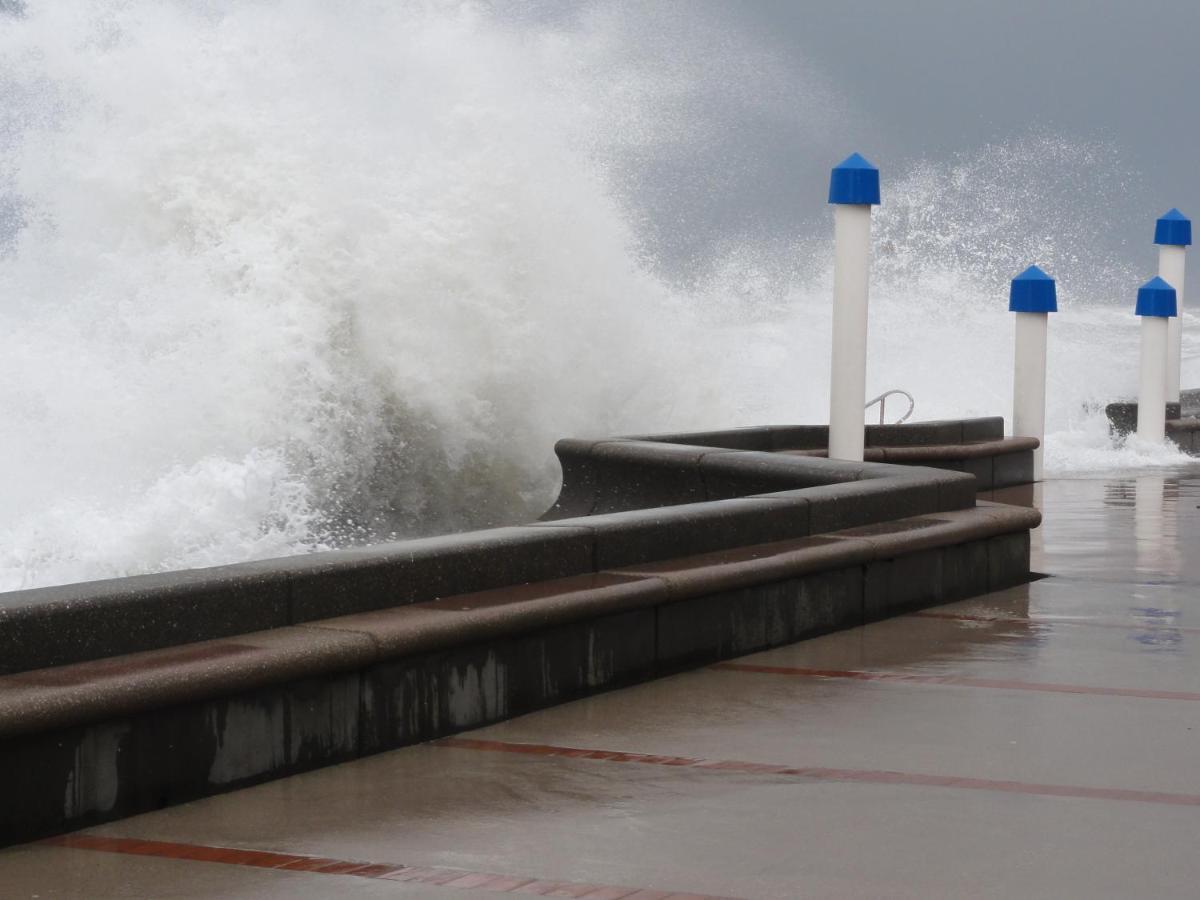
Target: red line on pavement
(431, 875)
(959, 681)
(819, 773)
(1051, 620)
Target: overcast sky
(943, 75)
(929, 79)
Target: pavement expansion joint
(823, 773)
(957, 681)
(434, 876)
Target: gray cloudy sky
(929, 79)
(941, 75)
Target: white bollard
(1173, 234)
(1032, 297)
(1156, 305)
(854, 189)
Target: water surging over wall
(277, 277)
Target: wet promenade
(1043, 741)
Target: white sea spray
(277, 276)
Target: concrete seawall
(132, 694)
(1182, 425)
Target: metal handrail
(882, 401)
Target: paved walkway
(1039, 742)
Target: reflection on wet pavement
(1042, 741)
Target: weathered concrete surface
(619, 474)
(1039, 741)
(96, 741)
(660, 503)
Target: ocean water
(277, 277)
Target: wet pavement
(1042, 741)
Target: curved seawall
(126, 695)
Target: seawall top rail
(631, 501)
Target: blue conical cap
(1156, 298)
(1174, 229)
(854, 180)
(856, 161)
(1033, 291)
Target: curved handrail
(882, 401)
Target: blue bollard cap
(1156, 298)
(1174, 229)
(1033, 292)
(855, 180)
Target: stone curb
(71, 695)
